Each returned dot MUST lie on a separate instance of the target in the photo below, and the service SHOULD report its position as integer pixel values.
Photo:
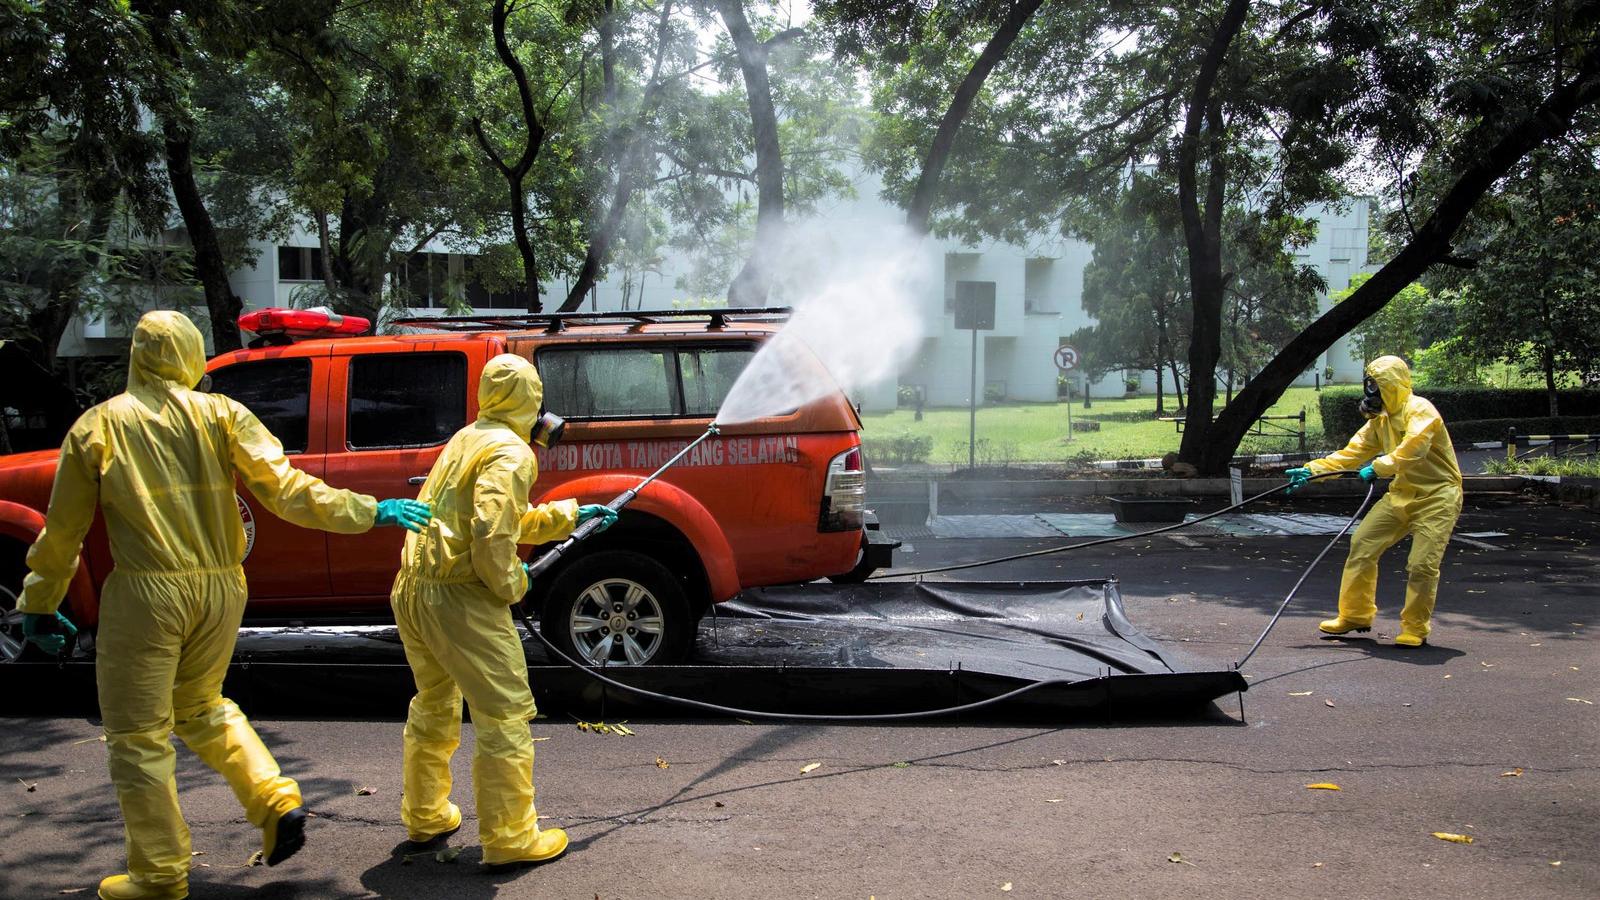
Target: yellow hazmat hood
(509, 391)
(167, 350)
(1394, 381)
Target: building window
(278, 391)
(299, 263)
(405, 400)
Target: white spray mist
(855, 311)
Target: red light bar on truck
(276, 320)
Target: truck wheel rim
(616, 622)
(11, 641)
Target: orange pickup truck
(774, 501)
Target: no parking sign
(1066, 358)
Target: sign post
(974, 312)
(1066, 361)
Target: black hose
(527, 623)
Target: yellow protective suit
(1409, 444)
(452, 598)
(159, 460)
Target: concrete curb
(902, 502)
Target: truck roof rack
(559, 321)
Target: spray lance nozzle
(554, 554)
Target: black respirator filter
(1371, 398)
(547, 429)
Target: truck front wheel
(618, 608)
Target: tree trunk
(1550, 382)
(323, 239)
(754, 282)
(222, 303)
(514, 173)
(1550, 120)
(600, 242)
(920, 211)
(1202, 231)
(1177, 385)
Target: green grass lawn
(1036, 432)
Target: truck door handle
(416, 479)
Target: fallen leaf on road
(1055, 801)
(1514, 773)
(1007, 886)
(30, 785)
(1447, 676)
(1453, 838)
(718, 804)
(1058, 762)
(255, 859)
(662, 763)
(101, 739)
(1301, 693)
(537, 740)
(809, 768)
(1470, 591)
(82, 889)
(1330, 702)
(1555, 862)
(1486, 665)
(365, 791)
(1316, 865)
(1177, 857)
(447, 855)
(902, 765)
(1323, 786)
(1581, 700)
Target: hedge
(1471, 430)
(1519, 407)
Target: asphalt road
(1475, 734)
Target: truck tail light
(844, 496)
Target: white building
(1037, 289)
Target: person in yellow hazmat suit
(1404, 439)
(159, 461)
(458, 579)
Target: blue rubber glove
(1297, 479)
(591, 510)
(412, 515)
(38, 631)
(1368, 474)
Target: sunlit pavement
(1488, 732)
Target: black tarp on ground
(834, 649)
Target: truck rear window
(405, 399)
(278, 391)
(639, 382)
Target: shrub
(994, 393)
(1468, 431)
(1460, 405)
(1132, 385)
(902, 449)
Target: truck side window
(405, 399)
(707, 374)
(608, 383)
(278, 391)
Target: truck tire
(618, 608)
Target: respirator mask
(547, 429)
(1371, 398)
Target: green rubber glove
(592, 510)
(412, 515)
(1368, 473)
(1297, 479)
(48, 631)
